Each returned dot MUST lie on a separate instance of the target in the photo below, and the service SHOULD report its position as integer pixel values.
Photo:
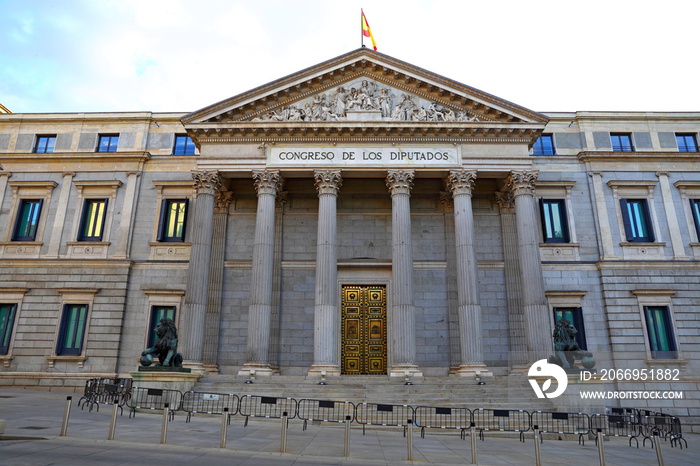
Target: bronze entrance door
(363, 330)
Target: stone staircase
(499, 392)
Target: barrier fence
(325, 411)
(267, 407)
(428, 417)
(501, 420)
(555, 422)
(377, 414)
(106, 391)
(154, 399)
(209, 403)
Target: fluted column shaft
(326, 315)
(267, 184)
(403, 312)
(206, 185)
(534, 301)
(461, 183)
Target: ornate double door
(363, 330)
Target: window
(183, 145)
(7, 318)
(660, 332)
(93, 220)
(27, 220)
(686, 143)
(635, 216)
(45, 144)
(173, 219)
(157, 313)
(544, 145)
(108, 143)
(575, 316)
(695, 207)
(555, 227)
(621, 142)
(72, 331)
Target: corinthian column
(206, 185)
(267, 184)
(461, 183)
(403, 311)
(534, 302)
(326, 314)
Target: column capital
(267, 181)
(522, 182)
(71, 174)
(328, 181)
(222, 201)
(461, 182)
(400, 181)
(206, 182)
(660, 174)
(505, 201)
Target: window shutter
(626, 219)
(162, 220)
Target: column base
(520, 369)
(211, 368)
(253, 370)
(406, 370)
(473, 370)
(197, 367)
(324, 370)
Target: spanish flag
(366, 31)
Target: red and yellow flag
(366, 31)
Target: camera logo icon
(541, 369)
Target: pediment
(363, 89)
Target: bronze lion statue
(165, 347)
(566, 349)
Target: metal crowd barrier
(155, 399)
(383, 415)
(266, 406)
(501, 420)
(553, 422)
(428, 417)
(106, 391)
(209, 403)
(325, 410)
(668, 427)
(616, 425)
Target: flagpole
(362, 30)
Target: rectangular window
(27, 220)
(544, 145)
(173, 220)
(621, 142)
(660, 332)
(93, 220)
(575, 316)
(695, 207)
(555, 227)
(635, 216)
(108, 143)
(686, 143)
(183, 145)
(7, 318)
(45, 144)
(157, 313)
(72, 331)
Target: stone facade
(417, 183)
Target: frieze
(363, 156)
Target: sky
(184, 55)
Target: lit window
(621, 142)
(660, 332)
(686, 143)
(27, 220)
(173, 218)
(93, 220)
(635, 216)
(544, 145)
(695, 207)
(575, 316)
(108, 143)
(157, 313)
(72, 331)
(45, 144)
(7, 318)
(183, 145)
(555, 227)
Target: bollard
(657, 447)
(409, 439)
(66, 415)
(346, 450)
(164, 425)
(538, 457)
(113, 421)
(601, 451)
(283, 439)
(472, 434)
(224, 428)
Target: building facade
(362, 216)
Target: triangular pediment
(368, 89)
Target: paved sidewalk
(34, 424)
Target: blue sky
(182, 55)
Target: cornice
(61, 161)
(626, 157)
